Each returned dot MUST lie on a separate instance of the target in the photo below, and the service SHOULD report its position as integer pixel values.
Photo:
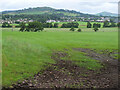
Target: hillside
(38, 10)
(45, 10)
(107, 14)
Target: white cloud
(86, 6)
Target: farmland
(27, 53)
(81, 24)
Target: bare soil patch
(110, 72)
(65, 74)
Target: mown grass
(83, 29)
(26, 53)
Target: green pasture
(26, 53)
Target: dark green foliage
(48, 25)
(79, 30)
(70, 25)
(118, 24)
(109, 24)
(36, 17)
(51, 25)
(96, 29)
(22, 27)
(106, 24)
(17, 22)
(27, 29)
(64, 25)
(32, 26)
(113, 24)
(35, 26)
(72, 29)
(6, 25)
(55, 25)
(96, 25)
(89, 25)
(21, 30)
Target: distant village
(101, 19)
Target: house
(49, 21)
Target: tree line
(41, 17)
(31, 27)
(38, 26)
(105, 24)
(68, 25)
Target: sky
(84, 6)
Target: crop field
(27, 53)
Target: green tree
(27, 29)
(96, 29)
(96, 25)
(50, 25)
(118, 24)
(64, 25)
(89, 25)
(22, 26)
(55, 25)
(70, 25)
(113, 24)
(79, 30)
(72, 29)
(6, 24)
(35, 26)
(106, 24)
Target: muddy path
(105, 57)
(65, 74)
(110, 71)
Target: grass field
(26, 53)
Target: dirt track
(65, 74)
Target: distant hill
(107, 14)
(47, 10)
(38, 10)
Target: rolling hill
(46, 10)
(107, 14)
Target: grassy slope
(65, 13)
(42, 10)
(24, 54)
(32, 12)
